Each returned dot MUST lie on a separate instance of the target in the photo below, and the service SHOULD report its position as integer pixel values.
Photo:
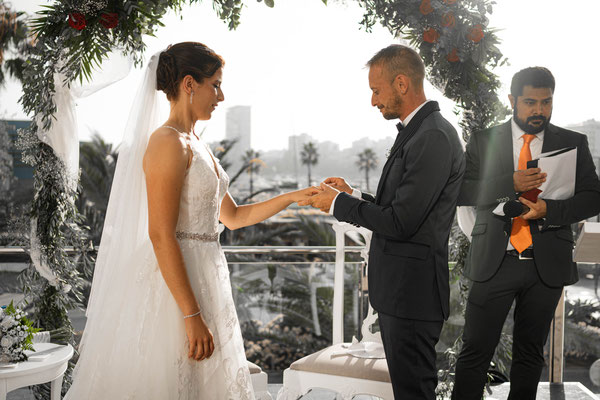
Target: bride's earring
(191, 96)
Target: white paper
(561, 170)
(560, 182)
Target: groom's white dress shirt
(358, 193)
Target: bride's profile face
(207, 95)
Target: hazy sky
(300, 66)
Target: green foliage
(14, 42)
(582, 329)
(252, 164)
(222, 150)
(467, 79)
(97, 161)
(59, 227)
(291, 334)
(317, 232)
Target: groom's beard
(395, 104)
(527, 127)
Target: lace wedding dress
(143, 353)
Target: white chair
(259, 382)
(329, 369)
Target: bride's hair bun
(166, 74)
(182, 59)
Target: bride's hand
(200, 338)
(302, 194)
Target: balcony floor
(546, 391)
(566, 391)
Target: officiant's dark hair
(182, 59)
(399, 59)
(537, 77)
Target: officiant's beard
(531, 129)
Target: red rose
(453, 56)
(476, 33)
(109, 20)
(448, 20)
(450, 2)
(431, 35)
(77, 21)
(425, 7)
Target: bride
(161, 319)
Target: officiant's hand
(527, 179)
(321, 200)
(339, 184)
(537, 210)
(200, 338)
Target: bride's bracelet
(191, 315)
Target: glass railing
(284, 300)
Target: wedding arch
(74, 37)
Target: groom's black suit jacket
(489, 180)
(411, 216)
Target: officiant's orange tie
(520, 235)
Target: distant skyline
(300, 66)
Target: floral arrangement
(16, 334)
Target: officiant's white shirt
(535, 147)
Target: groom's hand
(321, 200)
(339, 184)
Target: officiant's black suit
(411, 216)
(499, 277)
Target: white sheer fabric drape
(63, 137)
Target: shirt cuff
(355, 193)
(333, 204)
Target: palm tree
(221, 151)
(97, 161)
(252, 164)
(309, 156)
(14, 38)
(367, 160)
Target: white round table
(31, 372)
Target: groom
(410, 217)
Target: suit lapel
(504, 147)
(388, 162)
(551, 139)
(409, 131)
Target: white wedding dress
(142, 353)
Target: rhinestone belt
(201, 237)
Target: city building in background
(591, 128)
(22, 191)
(238, 127)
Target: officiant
(527, 259)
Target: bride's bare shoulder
(166, 146)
